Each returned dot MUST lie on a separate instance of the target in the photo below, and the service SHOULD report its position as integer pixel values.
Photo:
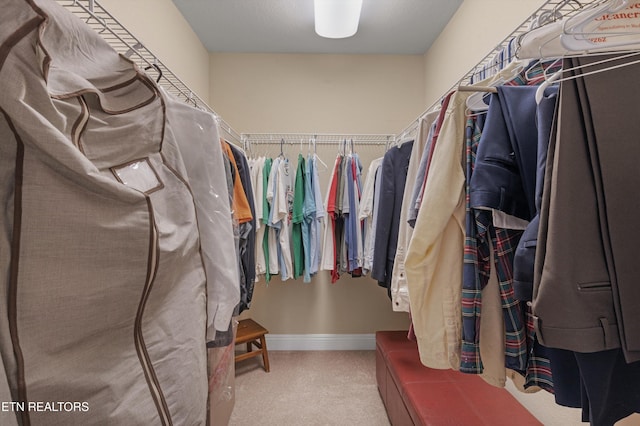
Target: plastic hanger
(546, 66)
(579, 33)
(475, 101)
(545, 84)
(575, 31)
(317, 157)
(555, 78)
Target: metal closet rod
(551, 9)
(320, 138)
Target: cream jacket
(434, 259)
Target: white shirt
(315, 237)
(274, 260)
(258, 196)
(197, 135)
(366, 213)
(328, 253)
(280, 206)
(399, 288)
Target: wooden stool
(252, 333)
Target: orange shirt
(241, 209)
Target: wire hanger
(155, 66)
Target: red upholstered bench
(416, 395)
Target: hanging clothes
(282, 200)
(585, 284)
(248, 232)
(481, 291)
(418, 182)
(343, 249)
(424, 167)
(353, 229)
(242, 209)
(329, 247)
(204, 164)
(436, 319)
(395, 166)
(309, 215)
(366, 213)
(398, 288)
(297, 219)
(257, 182)
(317, 227)
(273, 233)
(266, 213)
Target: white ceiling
(286, 26)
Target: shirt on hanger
(241, 210)
(309, 212)
(281, 208)
(434, 258)
(274, 225)
(257, 169)
(366, 213)
(419, 181)
(266, 210)
(248, 233)
(329, 248)
(297, 219)
(320, 214)
(399, 290)
(394, 171)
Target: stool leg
(249, 346)
(265, 354)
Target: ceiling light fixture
(337, 18)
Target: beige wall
(475, 29)
(317, 93)
(325, 94)
(164, 31)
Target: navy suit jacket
(395, 165)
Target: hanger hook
(155, 66)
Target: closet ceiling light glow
(337, 18)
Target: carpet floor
(337, 388)
(308, 388)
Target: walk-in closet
(319, 212)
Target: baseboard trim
(321, 342)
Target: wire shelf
(125, 43)
(506, 50)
